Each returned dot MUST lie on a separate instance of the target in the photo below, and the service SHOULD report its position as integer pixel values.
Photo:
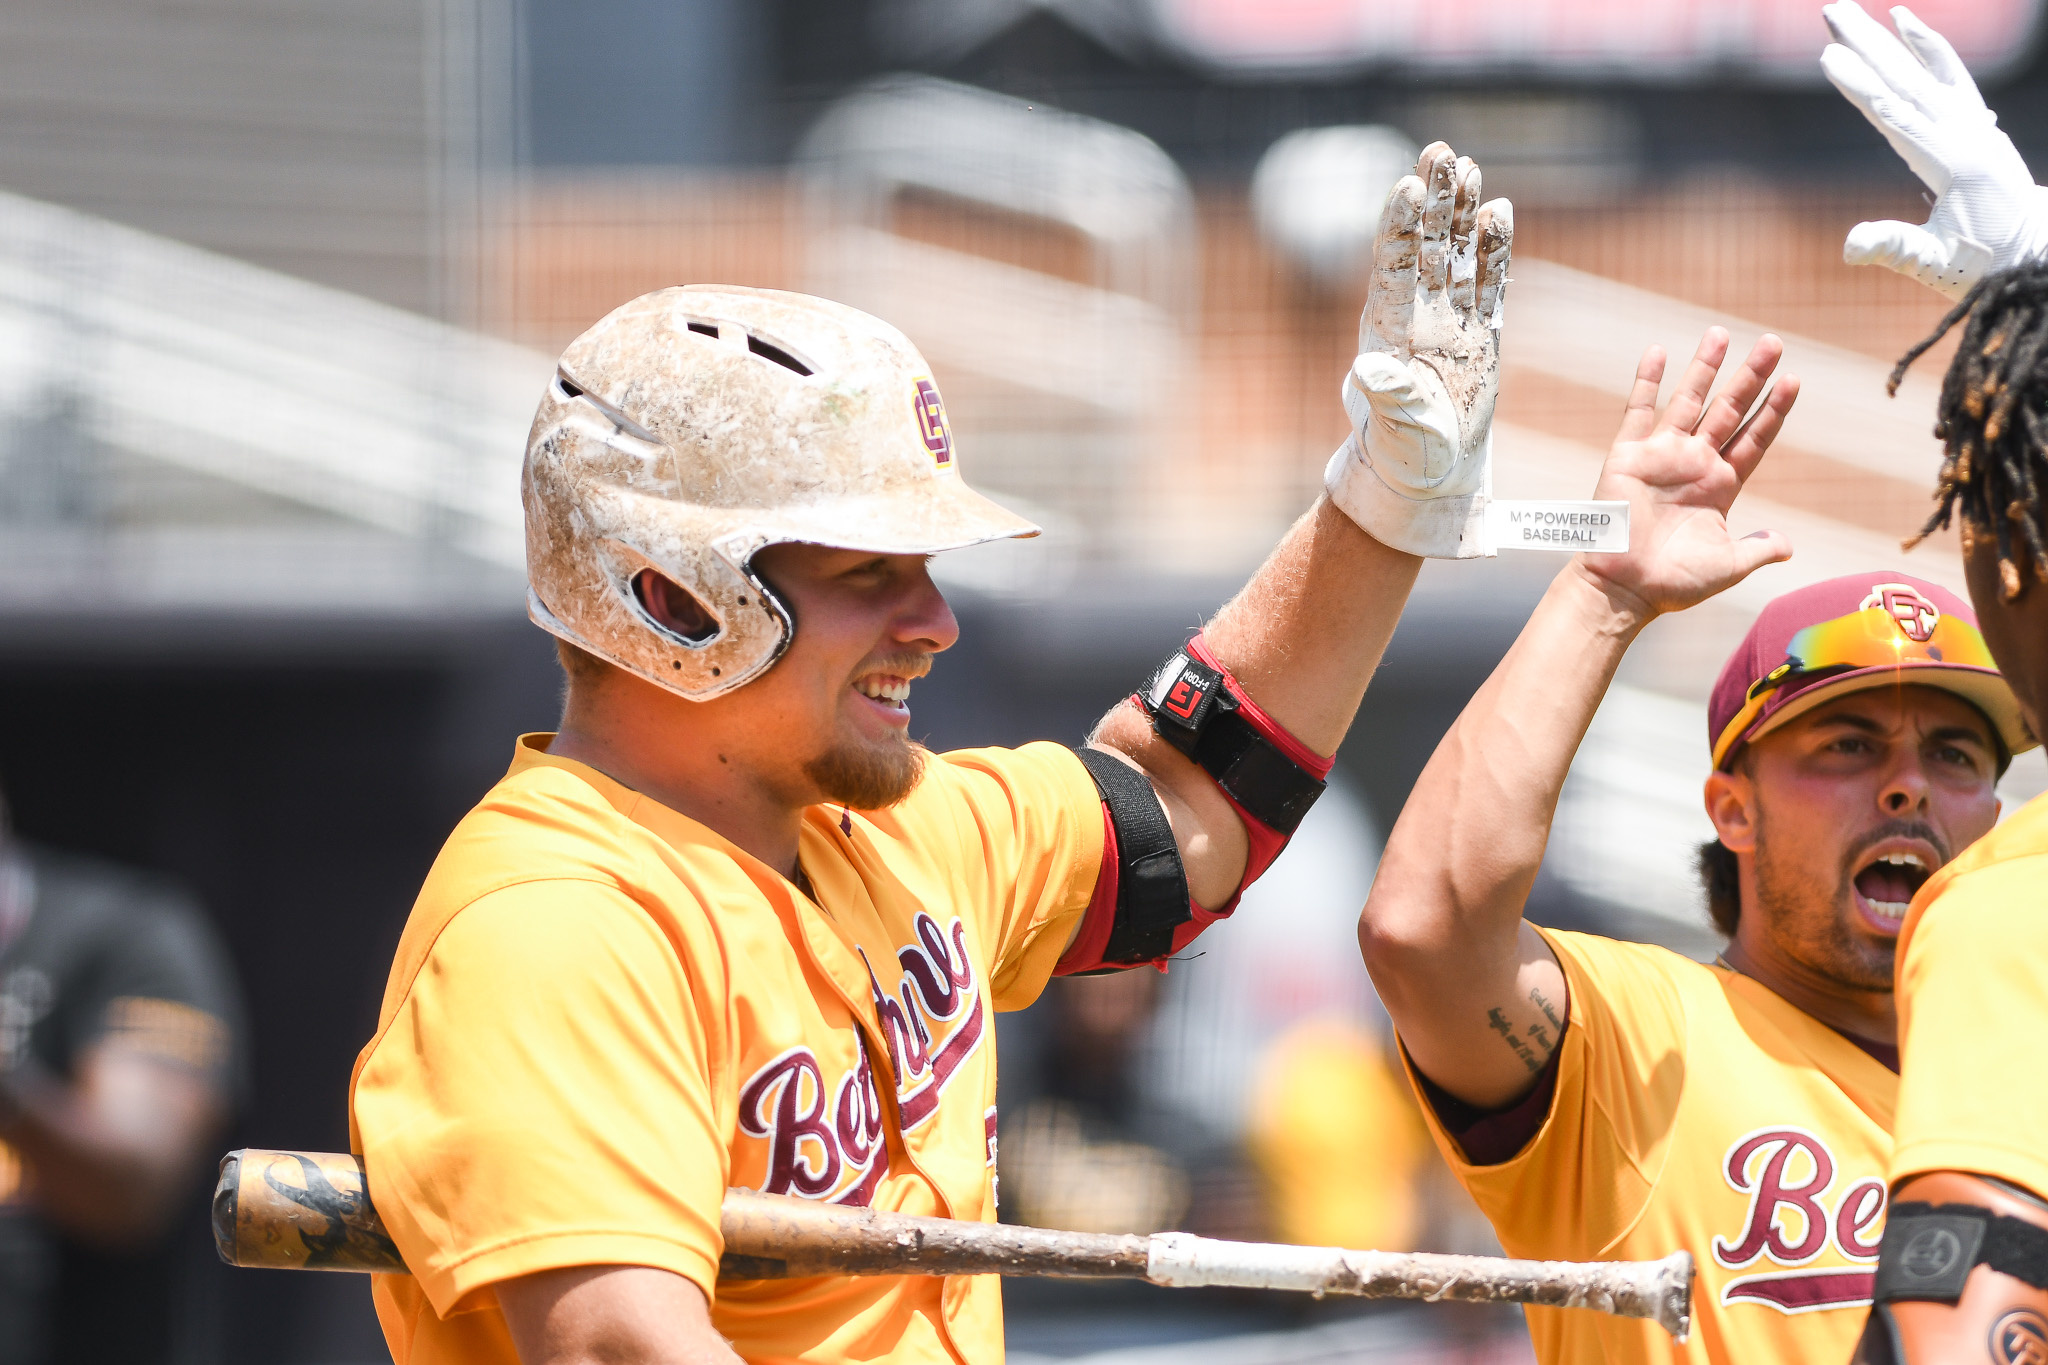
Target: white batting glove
(1417, 471)
(1988, 212)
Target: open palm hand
(1680, 472)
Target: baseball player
(1963, 1270)
(1614, 1100)
(731, 926)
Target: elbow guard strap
(1271, 777)
(1152, 899)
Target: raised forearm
(1466, 848)
(1478, 997)
(1308, 630)
(1302, 639)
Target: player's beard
(1811, 916)
(867, 776)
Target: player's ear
(1731, 805)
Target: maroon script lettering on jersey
(1789, 1176)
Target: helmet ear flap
(750, 626)
(620, 522)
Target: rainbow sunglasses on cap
(1860, 648)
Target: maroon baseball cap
(1847, 634)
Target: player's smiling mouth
(1891, 874)
(889, 690)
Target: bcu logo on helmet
(1915, 614)
(932, 424)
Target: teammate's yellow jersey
(1697, 1110)
(602, 1014)
(1973, 1008)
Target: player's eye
(1956, 755)
(867, 571)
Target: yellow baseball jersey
(1696, 1110)
(1973, 1007)
(602, 1014)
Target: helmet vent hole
(704, 329)
(613, 413)
(776, 354)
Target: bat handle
(1660, 1291)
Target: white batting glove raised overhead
(1988, 212)
(1417, 471)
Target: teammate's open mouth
(1886, 885)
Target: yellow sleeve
(1972, 1009)
(542, 1097)
(1028, 825)
(1581, 1182)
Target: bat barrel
(299, 1211)
(312, 1211)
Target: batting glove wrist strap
(1416, 521)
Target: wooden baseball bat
(311, 1211)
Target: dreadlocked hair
(1993, 421)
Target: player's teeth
(1904, 860)
(1891, 909)
(879, 690)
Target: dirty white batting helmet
(692, 427)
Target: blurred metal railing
(1059, 364)
(112, 337)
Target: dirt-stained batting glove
(1416, 473)
(1988, 212)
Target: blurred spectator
(1090, 1152)
(1335, 1134)
(119, 1052)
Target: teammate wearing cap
(1605, 1099)
(730, 926)
(1963, 1274)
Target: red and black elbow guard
(1269, 777)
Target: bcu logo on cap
(1916, 616)
(1858, 631)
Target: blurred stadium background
(281, 281)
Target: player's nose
(1905, 788)
(924, 618)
